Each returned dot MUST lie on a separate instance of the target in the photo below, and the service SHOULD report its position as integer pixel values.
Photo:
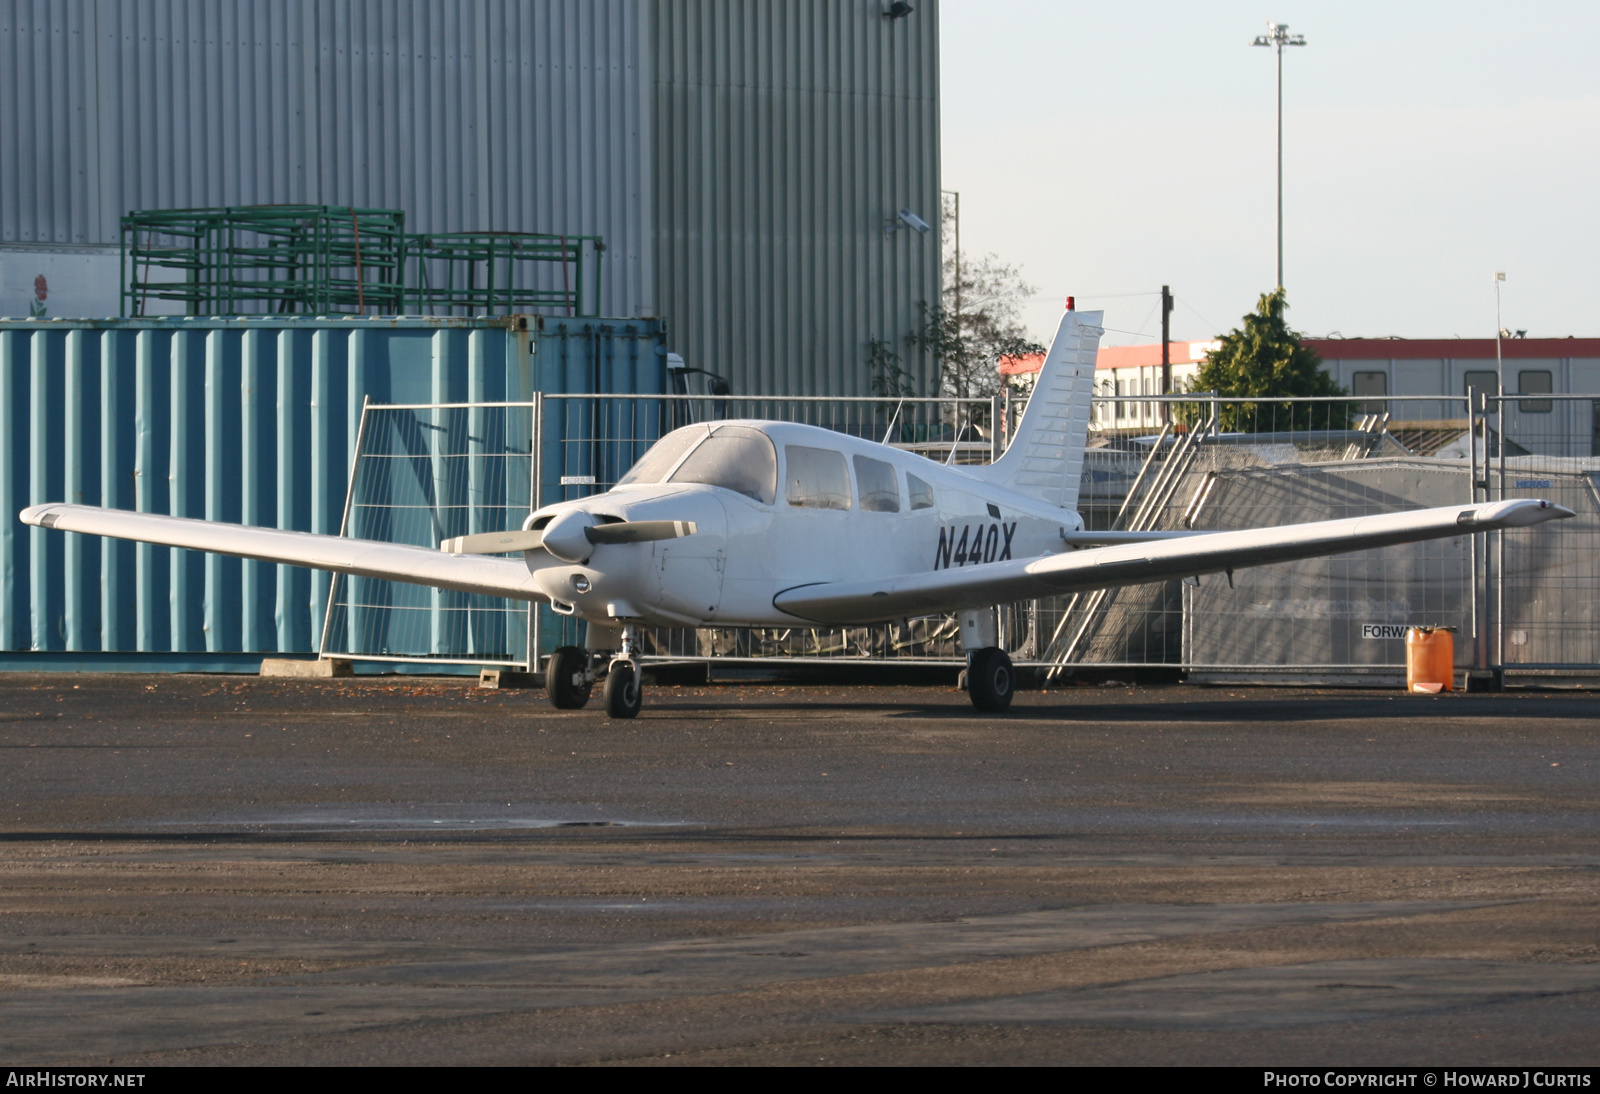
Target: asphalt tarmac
(227, 870)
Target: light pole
(955, 219)
(1499, 358)
(1278, 35)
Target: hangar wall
(740, 157)
(786, 136)
(470, 115)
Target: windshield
(664, 455)
(736, 458)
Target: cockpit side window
(656, 464)
(875, 480)
(817, 478)
(921, 493)
(736, 458)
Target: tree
(977, 320)
(1265, 358)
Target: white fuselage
(746, 550)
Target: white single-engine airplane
(735, 523)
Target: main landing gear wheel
(990, 679)
(624, 696)
(566, 678)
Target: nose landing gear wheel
(566, 678)
(990, 679)
(624, 695)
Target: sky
(1107, 149)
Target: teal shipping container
(251, 420)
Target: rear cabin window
(817, 478)
(736, 458)
(921, 493)
(875, 481)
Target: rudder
(1045, 458)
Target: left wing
(857, 602)
(360, 557)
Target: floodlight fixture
(905, 218)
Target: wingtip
(40, 516)
(1522, 512)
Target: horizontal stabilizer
(984, 585)
(357, 557)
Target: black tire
(564, 678)
(990, 679)
(624, 696)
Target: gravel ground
(217, 869)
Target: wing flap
(857, 602)
(357, 557)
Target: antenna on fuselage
(887, 433)
(956, 442)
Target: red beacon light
(1071, 306)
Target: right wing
(358, 557)
(982, 586)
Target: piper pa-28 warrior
(736, 523)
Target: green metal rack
(489, 273)
(327, 259)
(254, 259)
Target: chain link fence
(1542, 610)
(1520, 600)
(425, 473)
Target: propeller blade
(492, 543)
(639, 531)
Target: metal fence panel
(425, 474)
(1546, 615)
(1179, 463)
(1347, 612)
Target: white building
(1417, 382)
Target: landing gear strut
(624, 688)
(570, 674)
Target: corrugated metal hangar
(740, 158)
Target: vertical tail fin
(1045, 458)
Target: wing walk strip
(992, 583)
(357, 557)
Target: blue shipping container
(251, 420)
